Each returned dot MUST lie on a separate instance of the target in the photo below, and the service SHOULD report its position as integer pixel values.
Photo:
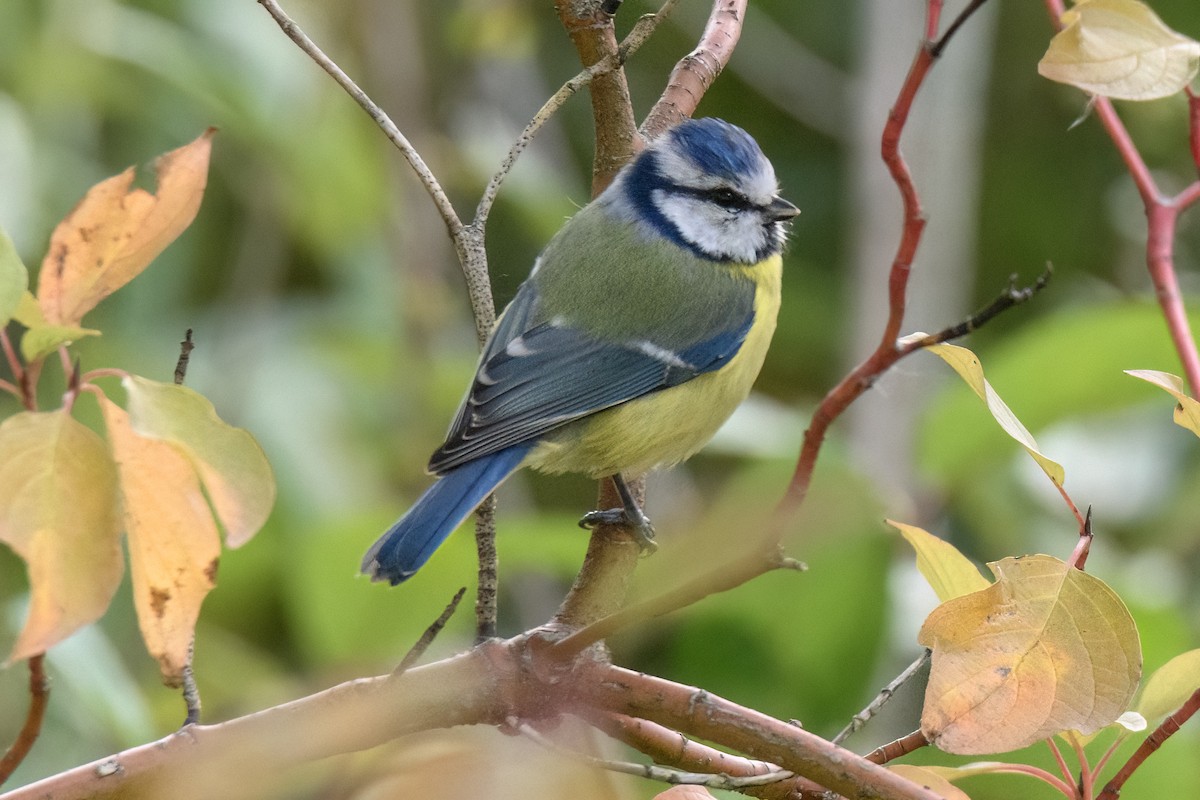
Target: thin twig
(185, 352)
(430, 634)
(863, 717)
(1010, 297)
(653, 771)
(938, 47)
(191, 690)
(39, 699)
(424, 174)
(10, 354)
(641, 31)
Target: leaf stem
(39, 699)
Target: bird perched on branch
(640, 329)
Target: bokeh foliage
(331, 321)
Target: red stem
(1151, 743)
(887, 353)
(39, 698)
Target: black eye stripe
(720, 195)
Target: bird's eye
(728, 198)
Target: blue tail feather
(408, 544)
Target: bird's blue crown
(718, 148)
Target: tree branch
(1168, 727)
(696, 71)
(706, 716)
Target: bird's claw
(642, 530)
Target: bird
(641, 327)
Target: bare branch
(185, 353)
(424, 174)
(642, 30)
(863, 717)
(431, 633)
(656, 773)
(743, 729)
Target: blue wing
(534, 378)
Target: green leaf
(235, 472)
(14, 279)
(42, 338)
(946, 570)
(1170, 685)
(58, 513)
(1120, 49)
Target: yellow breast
(668, 426)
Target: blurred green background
(331, 320)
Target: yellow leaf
(57, 512)
(1187, 410)
(948, 572)
(1044, 649)
(41, 337)
(930, 779)
(1120, 49)
(967, 365)
(1170, 685)
(14, 279)
(233, 468)
(115, 232)
(174, 545)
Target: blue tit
(640, 329)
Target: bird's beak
(781, 209)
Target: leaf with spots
(173, 540)
(116, 231)
(1044, 649)
(233, 468)
(57, 512)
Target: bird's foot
(643, 531)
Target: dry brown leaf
(115, 232)
(174, 545)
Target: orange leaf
(174, 545)
(115, 232)
(57, 511)
(1044, 649)
(232, 466)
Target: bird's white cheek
(698, 223)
